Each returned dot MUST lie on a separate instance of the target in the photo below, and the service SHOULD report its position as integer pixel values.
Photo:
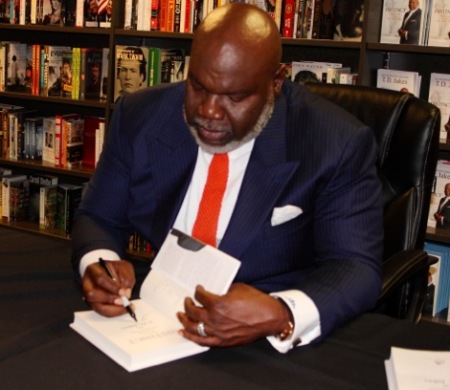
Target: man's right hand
(102, 292)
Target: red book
(91, 124)
(287, 25)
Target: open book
(181, 264)
(410, 369)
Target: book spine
(57, 145)
(287, 29)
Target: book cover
(168, 59)
(48, 147)
(91, 18)
(72, 142)
(439, 95)
(16, 66)
(76, 72)
(439, 24)
(90, 77)
(54, 59)
(3, 172)
(130, 69)
(441, 180)
(36, 181)
(6, 192)
(349, 20)
(417, 369)
(52, 12)
(67, 74)
(59, 142)
(105, 8)
(311, 71)
(2, 66)
(399, 80)
(394, 15)
(104, 74)
(47, 206)
(68, 198)
(154, 338)
(430, 303)
(34, 137)
(440, 278)
(19, 198)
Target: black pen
(126, 303)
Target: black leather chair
(407, 131)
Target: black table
(38, 350)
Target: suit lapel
(267, 174)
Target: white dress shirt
(304, 311)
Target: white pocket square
(283, 214)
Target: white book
(181, 264)
(48, 146)
(302, 70)
(439, 23)
(99, 140)
(393, 13)
(399, 80)
(409, 369)
(439, 95)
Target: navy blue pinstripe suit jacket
(311, 154)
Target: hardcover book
(90, 75)
(349, 20)
(181, 264)
(439, 24)
(53, 13)
(439, 95)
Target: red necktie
(205, 226)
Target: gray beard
(235, 144)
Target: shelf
(416, 49)
(54, 99)
(438, 235)
(33, 227)
(81, 172)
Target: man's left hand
(239, 317)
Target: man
(409, 32)
(302, 208)
(442, 215)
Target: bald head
(242, 31)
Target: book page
(176, 271)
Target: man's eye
(236, 98)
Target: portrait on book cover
(52, 12)
(131, 70)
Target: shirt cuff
(306, 320)
(93, 256)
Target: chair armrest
(403, 266)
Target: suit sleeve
(348, 231)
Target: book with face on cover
(181, 264)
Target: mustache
(210, 125)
